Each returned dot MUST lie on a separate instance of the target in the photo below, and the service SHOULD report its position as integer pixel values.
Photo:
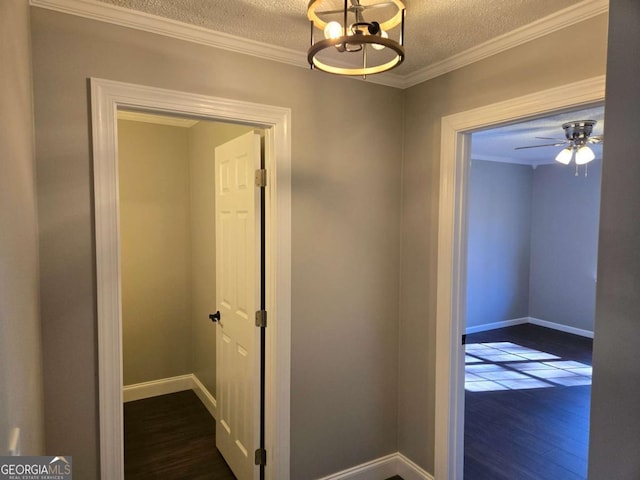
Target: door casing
(106, 97)
(451, 278)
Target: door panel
(237, 293)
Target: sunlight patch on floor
(508, 366)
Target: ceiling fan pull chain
(576, 174)
(586, 169)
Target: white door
(238, 299)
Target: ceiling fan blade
(552, 138)
(543, 145)
(597, 139)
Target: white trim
(378, 469)
(514, 161)
(408, 470)
(532, 320)
(451, 281)
(155, 388)
(205, 396)
(156, 119)
(544, 26)
(495, 325)
(381, 469)
(560, 327)
(106, 97)
(164, 386)
(126, 17)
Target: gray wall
(564, 244)
(532, 243)
(20, 358)
(499, 242)
(528, 68)
(615, 418)
(345, 238)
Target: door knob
(215, 317)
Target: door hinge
(464, 339)
(261, 318)
(261, 178)
(261, 456)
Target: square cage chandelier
(356, 37)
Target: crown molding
(156, 119)
(544, 26)
(126, 17)
(500, 159)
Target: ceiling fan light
(565, 155)
(584, 155)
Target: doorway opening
(452, 250)
(532, 237)
(175, 391)
(107, 97)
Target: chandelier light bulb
(333, 30)
(584, 155)
(383, 34)
(565, 155)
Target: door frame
(106, 97)
(455, 144)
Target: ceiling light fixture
(347, 36)
(578, 134)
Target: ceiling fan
(578, 136)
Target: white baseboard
(155, 388)
(560, 327)
(532, 320)
(165, 386)
(383, 468)
(495, 325)
(408, 470)
(205, 396)
(378, 469)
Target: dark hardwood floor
(171, 437)
(529, 433)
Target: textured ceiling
(498, 144)
(435, 29)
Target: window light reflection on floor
(497, 366)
